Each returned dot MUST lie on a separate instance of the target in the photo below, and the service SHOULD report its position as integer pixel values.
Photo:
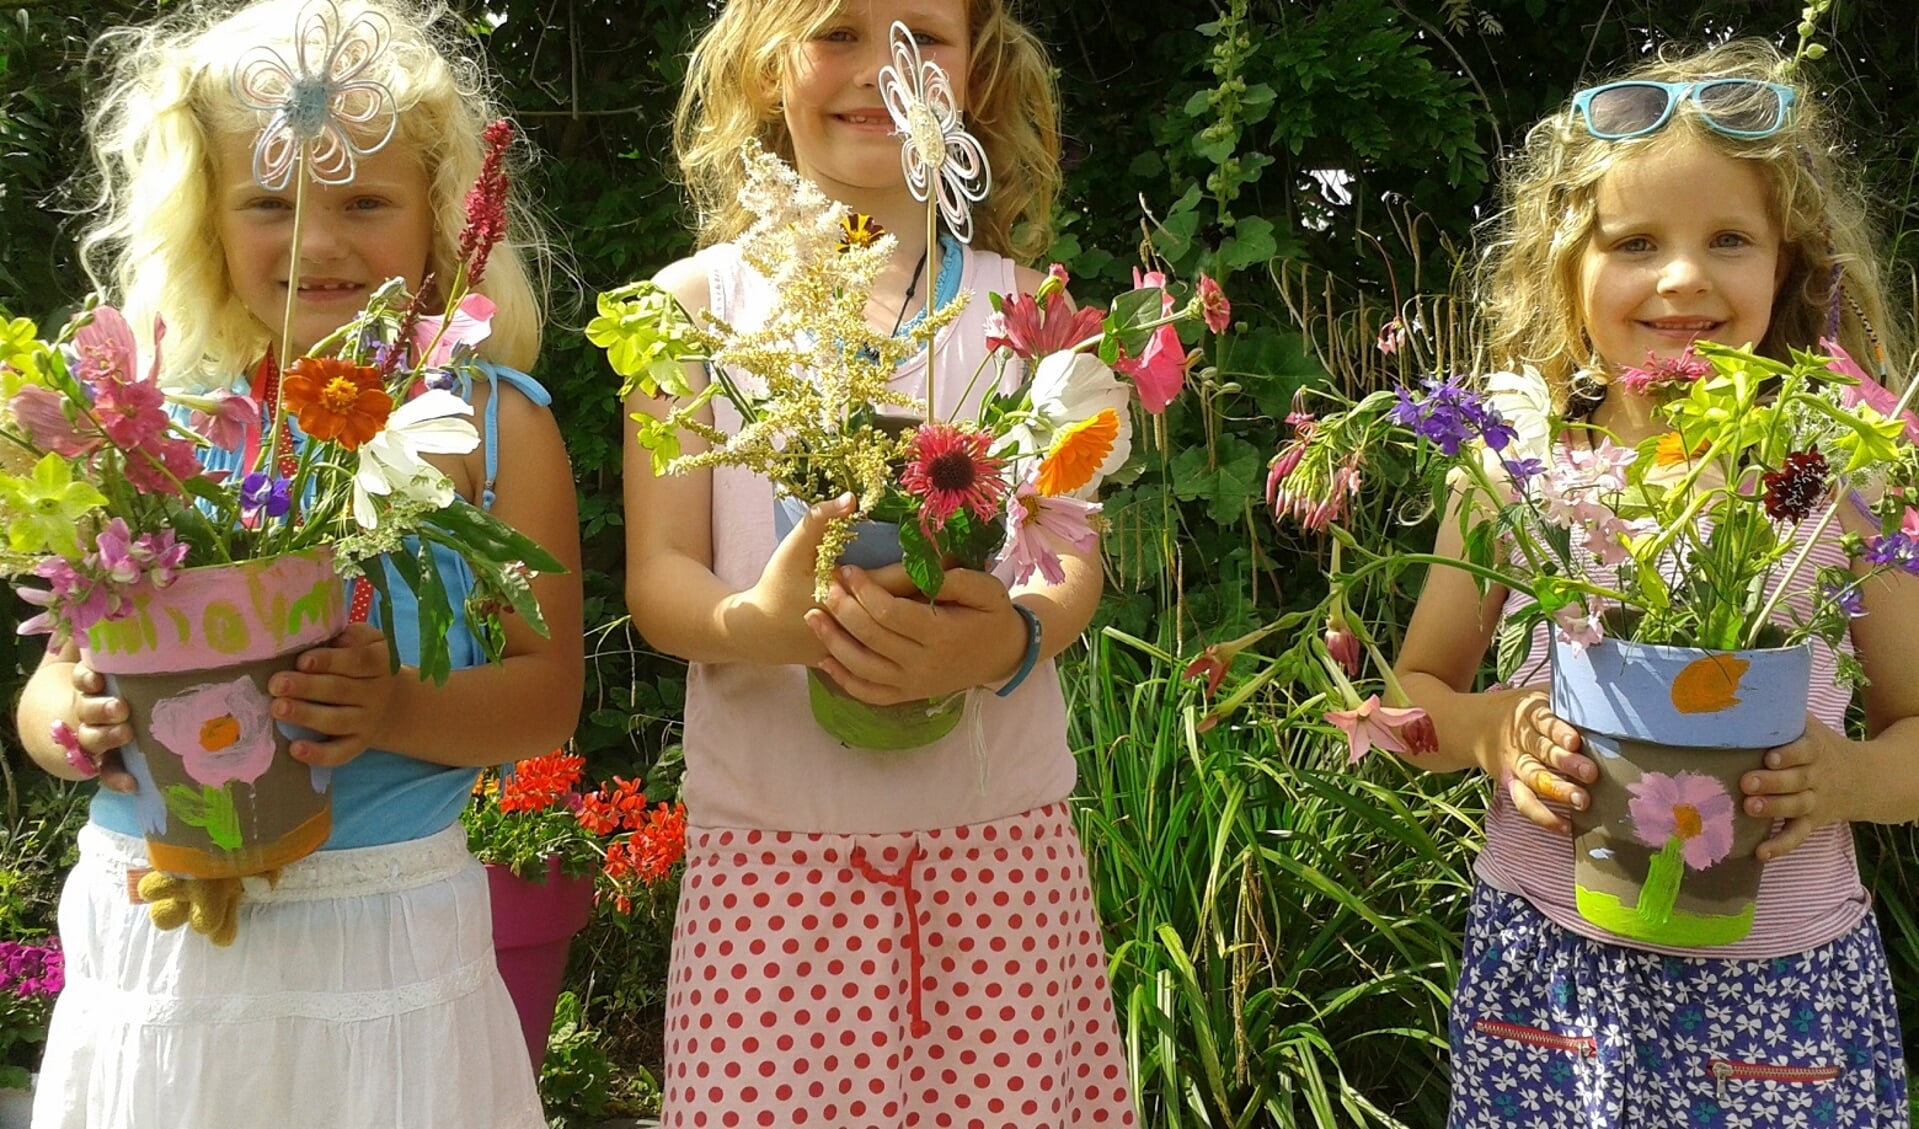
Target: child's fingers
(357, 652)
(1785, 840)
(1529, 806)
(1546, 783)
(853, 656)
(872, 693)
(326, 689)
(114, 776)
(331, 754)
(331, 720)
(886, 625)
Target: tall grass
(1284, 930)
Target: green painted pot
(908, 725)
(1664, 852)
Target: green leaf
(921, 559)
(1515, 643)
(1252, 242)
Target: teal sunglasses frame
(1677, 92)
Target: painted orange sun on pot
(337, 401)
(1078, 453)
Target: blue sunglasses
(1736, 107)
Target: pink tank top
(754, 757)
(1806, 899)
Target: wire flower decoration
(938, 155)
(319, 106)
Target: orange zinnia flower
(1078, 453)
(336, 400)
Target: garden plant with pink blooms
(1700, 537)
(1013, 486)
(104, 491)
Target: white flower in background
(390, 462)
(938, 155)
(1070, 388)
(319, 104)
(1523, 400)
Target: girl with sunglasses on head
(1696, 199)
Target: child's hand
(1537, 759)
(885, 644)
(341, 689)
(1804, 783)
(101, 727)
(773, 607)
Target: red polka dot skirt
(931, 978)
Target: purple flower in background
(1523, 471)
(260, 492)
(1897, 549)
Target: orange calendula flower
(1078, 453)
(335, 400)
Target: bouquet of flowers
(1015, 481)
(31, 975)
(536, 811)
(1680, 579)
(104, 494)
(1700, 537)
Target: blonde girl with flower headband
(358, 990)
(868, 938)
(1698, 196)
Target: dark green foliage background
(1210, 118)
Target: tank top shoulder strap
(490, 433)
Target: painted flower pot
(907, 725)
(218, 795)
(1664, 853)
(533, 926)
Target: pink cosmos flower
(1038, 526)
(471, 324)
(949, 469)
(1375, 724)
(1868, 391)
(1691, 806)
(220, 730)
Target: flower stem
(932, 290)
(285, 352)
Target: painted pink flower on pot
(221, 730)
(1689, 806)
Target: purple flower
(1449, 415)
(441, 379)
(28, 970)
(261, 492)
(1848, 598)
(1523, 470)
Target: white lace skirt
(361, 994)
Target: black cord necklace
(906, 299)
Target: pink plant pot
(533, 926)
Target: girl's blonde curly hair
(732, 93)
(154, 245)
(1528, 278)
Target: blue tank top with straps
(381, 797)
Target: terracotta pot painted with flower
(1664, 852)
(533, 927)
(219, 796)
(907, 725)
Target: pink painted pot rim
(141, 644)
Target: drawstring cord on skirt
(902, 879)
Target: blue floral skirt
(1552, 1029)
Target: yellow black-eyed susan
(858, 229)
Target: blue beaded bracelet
(1031, 658)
